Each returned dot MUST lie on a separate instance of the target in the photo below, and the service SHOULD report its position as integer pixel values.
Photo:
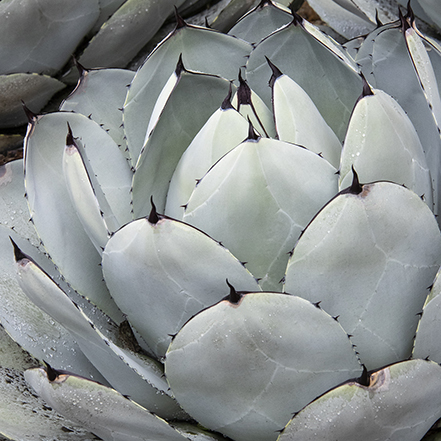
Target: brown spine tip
(356, 187)
(252, 134)
(82, 71)
(243, 92)
(179, 66)
(51, 373)
(226, 103)
(153, 216)
(180, 22)
(234, 297)
(31, 116)
(69, 137)
(366, 87)
(364, 377)
(276, 72)
(296, 18)
(18, 253)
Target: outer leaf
(223, 131)
(172, 135)
(126, 32)
(141, 378)
(161, 272)
(393, 153)
(256, 207)
(369, 256)
(23, 415)
(401, 403)
(50, 32)
(100, 94)
(73, 253)
(35, 90)
(317, 63)
(202, 49)
(100, 409)
(275, 352)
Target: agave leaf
(98, 408)
(265, 18)
(46, 189)
(12, 356)
(383, 58)
(276, 352)
(248, 190)
(126, 32)
(298, 120)
(107, 8)
(100, 94)
(350, 22)
(426, 341)
(384, 244)
(167, 275)
(31, 328)
(316, 62)
(401, 403)
(432, 11)
(173, 134)
(223, 131)
(35, 90)
(393, 153)
(22, 414)
(83, 196)
(41, 36)
(141, 378)
(202, 50)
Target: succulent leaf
(385, 245)
(223, 131)
(202, 50)
(41, 36)
(392, 407)
(275, 352)
(167, 276)
(100, 94)
(393, 153)
(141, 378)
(248, 190)
(84, 400)
(298, 120)
(172, 135)
(49, 200)
(317, 63)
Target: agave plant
(241, 231)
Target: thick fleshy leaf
(275, 352)
(298, 120)
(368, 257)
(261, 21)
(392, 153)
(100, 95)
(433, 10)
(139, 377)
(173, 133)
(160, 273)
(35, 90)
(126, 32)
(202, 50)
(49, 201)
(23, 415)
(426, 340)
(401, 403)
(41, 36)
(316, 62)
(98, 408)
(346, 19)
(383, 58)
(256, 207)
(225, 129)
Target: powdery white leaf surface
(243, 367)
(369, 257)
(401, 403)
(161, 272)
(258, 198)
(98, 408)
